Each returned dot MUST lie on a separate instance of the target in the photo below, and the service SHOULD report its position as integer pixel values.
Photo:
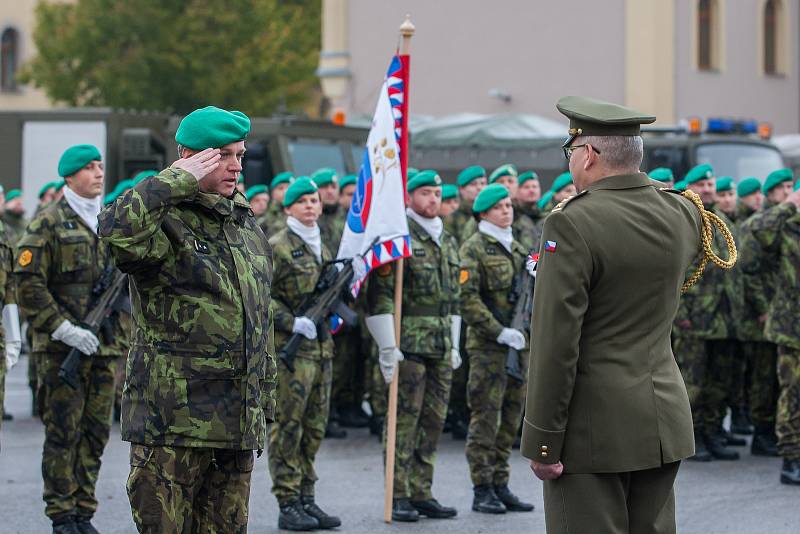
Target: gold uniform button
(544, 448)
(544, 454)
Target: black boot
(376, 426)
(731, 440)
(352, 417)
(764, 442)
(333, 430)
(512, 502)
(486, 500)
(790, 472)
(403, 511)
(65, 525)
(701, 453)
(293, 517)
(740, 422)
(431, 508)
(84, 525)
(7, 416)
(717, 447)
(325, 521)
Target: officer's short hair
(618, 151)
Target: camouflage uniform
(201, 375)
(526, 228)
(777, 233)
(706, 351)
(430, 297)
(15, 225)
(495, 400)
(8, 295)
(461, 223)
(273, 220)
(59, 261)
(303, 396)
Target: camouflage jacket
(778, 234)
(8, 289)
(201, 370)
(430, 293)
(757, 269)
(331, 225)
(59, 262)
(273, 220)
(714, 305)
(487, 276)
(461, 223)
(296, 275)
(15, 225)
(526, 229)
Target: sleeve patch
(25, 258)
(384, 270)
(463, 276)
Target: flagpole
(406, 31)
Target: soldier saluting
(201, 374)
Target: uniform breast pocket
(304, 278)
(499, 274)
(75, 252)
(424, 277)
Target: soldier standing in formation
(470, 181)
(274, 219)
(59, 262)
(526, 227)
(14, 216)
(10, 338)
(663, 175)
(258, 197)
(490, 261)
(429, 341)
(449, 201)
(201, 375)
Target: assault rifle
(106, 296)
(325, 299)
(522, 298)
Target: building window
(707, 35)
(773, 38)
(8, 59)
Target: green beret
(349, 179)
(325, 176)
(256, 190)
(469, 174)
(59, 185)
(282, 178)
(748, 186)
(661, 174)
(109, 198)
(125, 184)
(489, 196)
(525, 176)
(449, 191)
(212, 127)
(424, 178)
(700, 172)
(681, 186)
(724, 183)
(142, 175)
(589, 116)
(46, 187)
(75, 158)
(545, 200)
(303, 185)
(411, 172)
(777, 177)
(562, 181)
(503, 170)
(797, 186)
(14, 193)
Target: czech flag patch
(549, 246)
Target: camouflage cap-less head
(525, 176)
(325, 176)
(75, 157)
(748, 186)
(503, 170)
(282, 178)
(449, 191)
(662, 174)
(468, 175)
(349, 179)
(14, 193)
(725, 183)
(424, 178)
(700, 172)
(212, 127)
(776, 178)
(256, 190)
(488, 197)
(589, 116)
(562, 181)
(303, 185)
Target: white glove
(381, 327)
(305, 327)
(76, 337)
(513, 338)
(455, 341)
(359, 269)
(13, 335)
(530, 265)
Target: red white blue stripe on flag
(549, 246)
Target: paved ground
(716, 498)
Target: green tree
(177, 55)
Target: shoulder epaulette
(560, 206)
(671, 190)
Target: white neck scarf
(504, 236)
(309, 234)
(87, 208)
(433, 226)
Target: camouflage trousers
(787, 423)
(763, 388)
(741, 370)
(423, 393)
(707, 369)
(376, 387)
(76, 428)
(458, 408)
(496, 403)
(182, 490)
(348, 368)
(302, 407)
(119, 381)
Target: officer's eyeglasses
(568, 150)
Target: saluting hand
(547, 471)
(201, 164)
(794, 198)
